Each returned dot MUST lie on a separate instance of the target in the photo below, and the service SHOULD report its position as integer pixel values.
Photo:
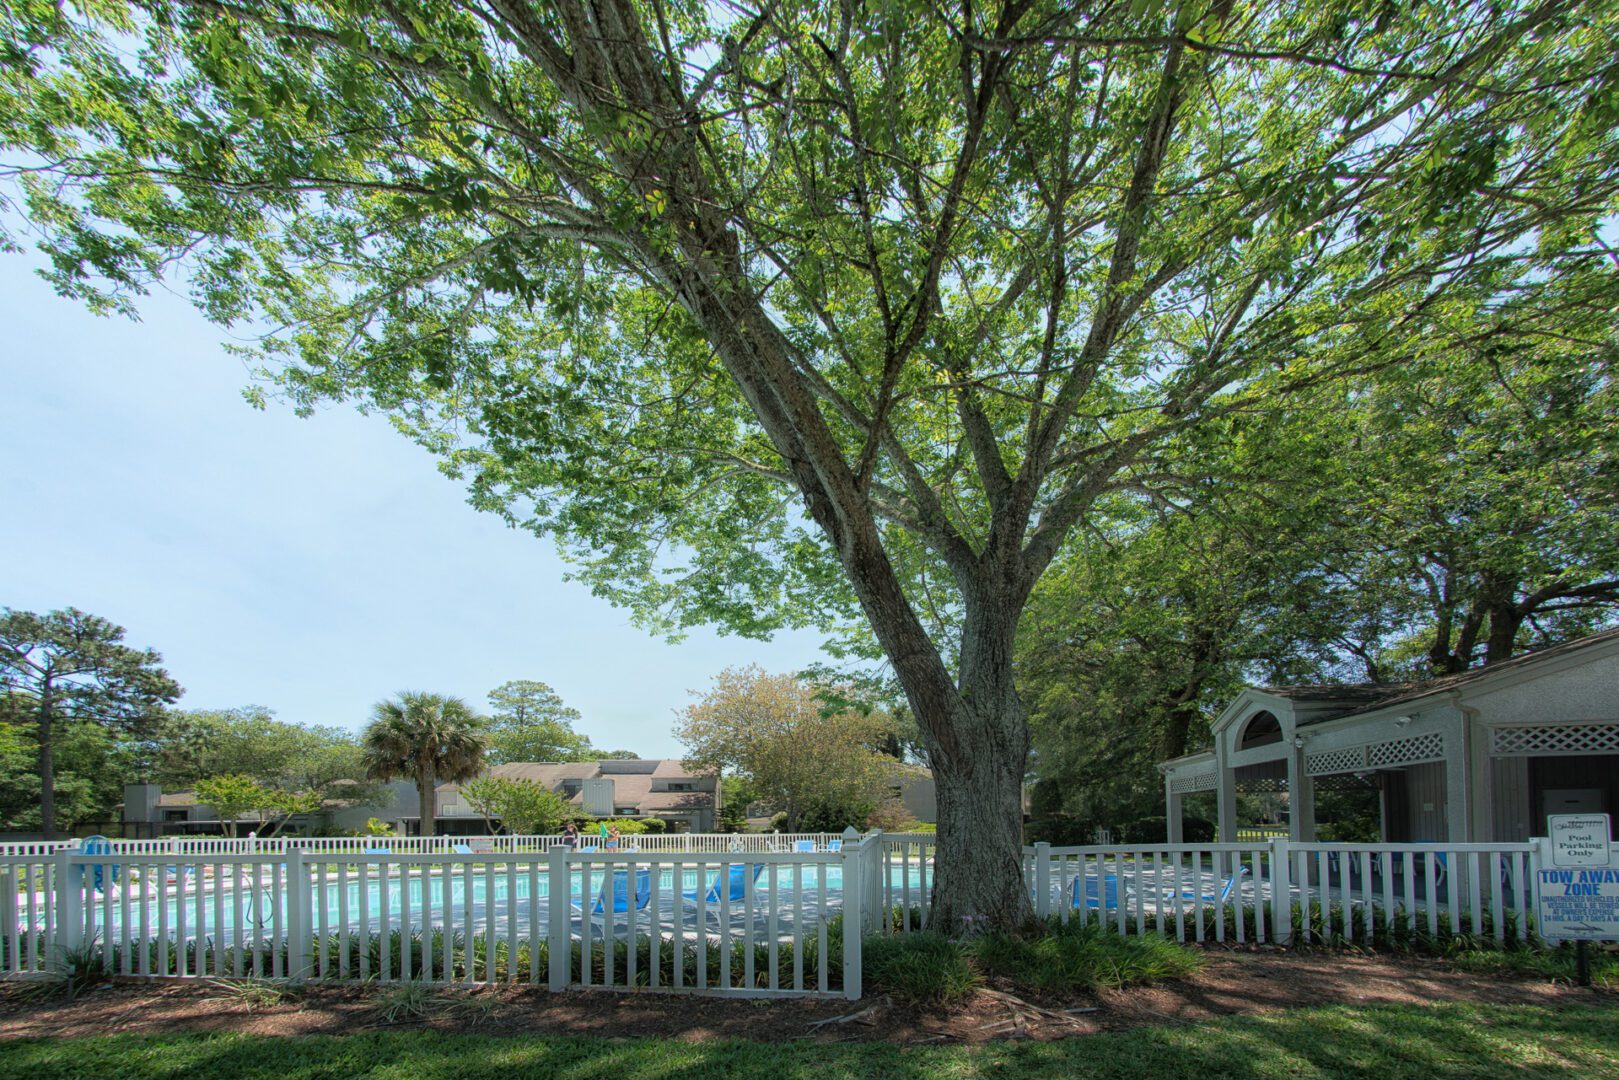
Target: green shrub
(1080, 957)
(1196, 830)
(923, 967)
(1061, 832)
(1147, 830)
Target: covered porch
(1482, 756)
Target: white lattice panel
(1182, 785)
(1406, 751)
(1349, 759)
(1543, 739)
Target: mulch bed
(1233, 982)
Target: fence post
(69, 901)
(1042, 878)
(1281, 890)
(299, 934)
(854, 917)
(559, 943)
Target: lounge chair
(462, 849)
(1222, 898)
(100, 845)
(834, 846)
(736, 890)
(615, 899)
(803, 846)
(1098, 894)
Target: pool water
(466, 895)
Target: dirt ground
(1233, 982)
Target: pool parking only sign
(1577, 884)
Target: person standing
(570, 835)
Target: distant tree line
(82, 714)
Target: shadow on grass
(1340, 1041)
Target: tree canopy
(778, 735)
(530, 722)
(69, 669)
(426, 738)
(774, 314)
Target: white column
(1172, 811)
(1457, 825)
(1226, 797)
(1300, 799)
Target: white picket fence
(1274, 890)
(703, 917)
(667, 920)
(715, 843)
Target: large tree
(324, 762)
(531, 722)
(68, 668)
(779, 734)
(641, 270)
(427, 738)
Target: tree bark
(424, 800)
(47, 765)
(1504, 624)
(978, 774)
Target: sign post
(1577, 885)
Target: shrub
(1075, 956)
(1061, 831)
(1196, 830)
(921, 967)
(835, 816)
(1147, 830)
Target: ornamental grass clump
(1073, 957)
(926, 968)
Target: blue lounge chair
(800, 846)
(615, 899)
(100, 845)
(1224, 896)
(834, 845)
(1096, 894)
(462, 849)
(736, 890)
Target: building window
(621, 810)
(681, 787)
(174, 815)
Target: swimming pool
(197, 904)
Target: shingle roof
(629, 788)
(1357, 698)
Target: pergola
(1479, 756)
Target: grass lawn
(1340, 1041)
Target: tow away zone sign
(1577, 885)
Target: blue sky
(311, 566)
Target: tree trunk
(978, 777)
(424, 800)
(47, 766)
(1504, 622)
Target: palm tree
(427, 737)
